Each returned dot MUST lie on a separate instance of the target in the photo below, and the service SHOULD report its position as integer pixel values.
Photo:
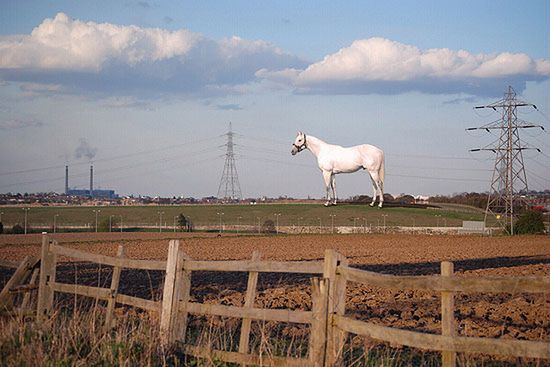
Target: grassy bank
(286, 214)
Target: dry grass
(78, 339)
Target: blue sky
(145, 89)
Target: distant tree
(530, 222)
(405, 199)
(268, 226)
(388, 198)
(17, 229)
(360, 199)
(184, 223)
(103, 226)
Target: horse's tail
(382, 171)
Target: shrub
(17, 229)
(530, 222)
(268, 226)
(184, 223)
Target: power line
(112, 158)
(438, 178)
(113, 169)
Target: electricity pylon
(509, 182)
(229, 188)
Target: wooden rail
(303, 267)
(327, 320)
(176, 307)
(48, 286)
(107, 260)
(487, 284)
(504, 347)
(447, 343)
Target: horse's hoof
(371, 204)
(327, 204)
(380, 206)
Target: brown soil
(519, 315)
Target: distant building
(101, 194)
(93, 193)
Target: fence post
(248, 303)
(177, 285)
(27, 296)
(447, 315)
(47, 276)
(318, 331)
(336, 304)
(115, 280)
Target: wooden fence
(328, 323)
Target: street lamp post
(26, 211)
(160, 221)
(332, 222)
(111, 222)
(220, 215)
(54, 222)
(277, 222)
(96, 214)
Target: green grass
(290, 214)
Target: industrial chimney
(92, 181)
(66, 180)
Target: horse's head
(299, 143)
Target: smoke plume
(84, 149)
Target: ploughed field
(518, 315)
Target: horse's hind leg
(377, 185)
(374, 191)
(327, 176)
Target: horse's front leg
(333, 185)
(327, 176)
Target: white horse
(334, 159)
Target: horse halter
(301, 147)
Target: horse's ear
(299, 133)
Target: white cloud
(63, 43)
(73, 56)
(379, 60)
(126, 102)
(12, 124)
(96, 57)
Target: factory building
(91, 192)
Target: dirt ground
(519, 315)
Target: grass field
(290, 214)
